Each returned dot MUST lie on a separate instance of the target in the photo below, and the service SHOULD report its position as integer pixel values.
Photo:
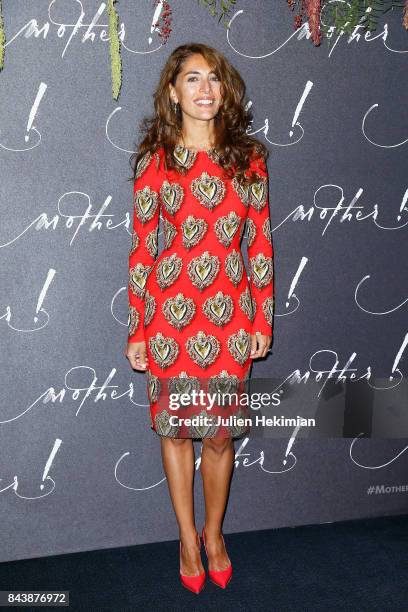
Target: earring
(175, 104)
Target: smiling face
(197, 89)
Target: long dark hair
(235, 148)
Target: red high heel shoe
(193, 583)
(220, 577)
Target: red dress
(194, 305)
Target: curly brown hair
(235, 148)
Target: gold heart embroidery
(203, 270)
(154, 387)
(226, 228)
(268, 308)
(229, 228)
(172, 196)
(209, 190)
(258, 190)
(206, 428)
(224, 385)
(258, 193)
(235, 428)
(142, 164)
(261, 270)
(267, 229)
(169, 197)
(168, 270)
(170, 232)
(135, 242)
(179, 310)
(137, 278)
(245, 303)
(251, 231)
(151, 243)
(163, 426)
(242, 191)
(234, 267)
(150, 307)
(146, 203)
(183, 383)
(239, 346)
(183, 387)
(164, 349)
(133, 320)
(184, 156)
(193, 231)
(219, 309)
(203, 349)
(242, 346)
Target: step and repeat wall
(80, 468)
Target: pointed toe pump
(220, 577)
(193, 583)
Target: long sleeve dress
(194, 305)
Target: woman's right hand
(137, 355)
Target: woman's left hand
(260, 345)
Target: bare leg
(178, 464)
(217, 462)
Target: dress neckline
(195, 150)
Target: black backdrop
(80, 468)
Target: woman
(196, 320)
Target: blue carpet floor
(353, 566)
